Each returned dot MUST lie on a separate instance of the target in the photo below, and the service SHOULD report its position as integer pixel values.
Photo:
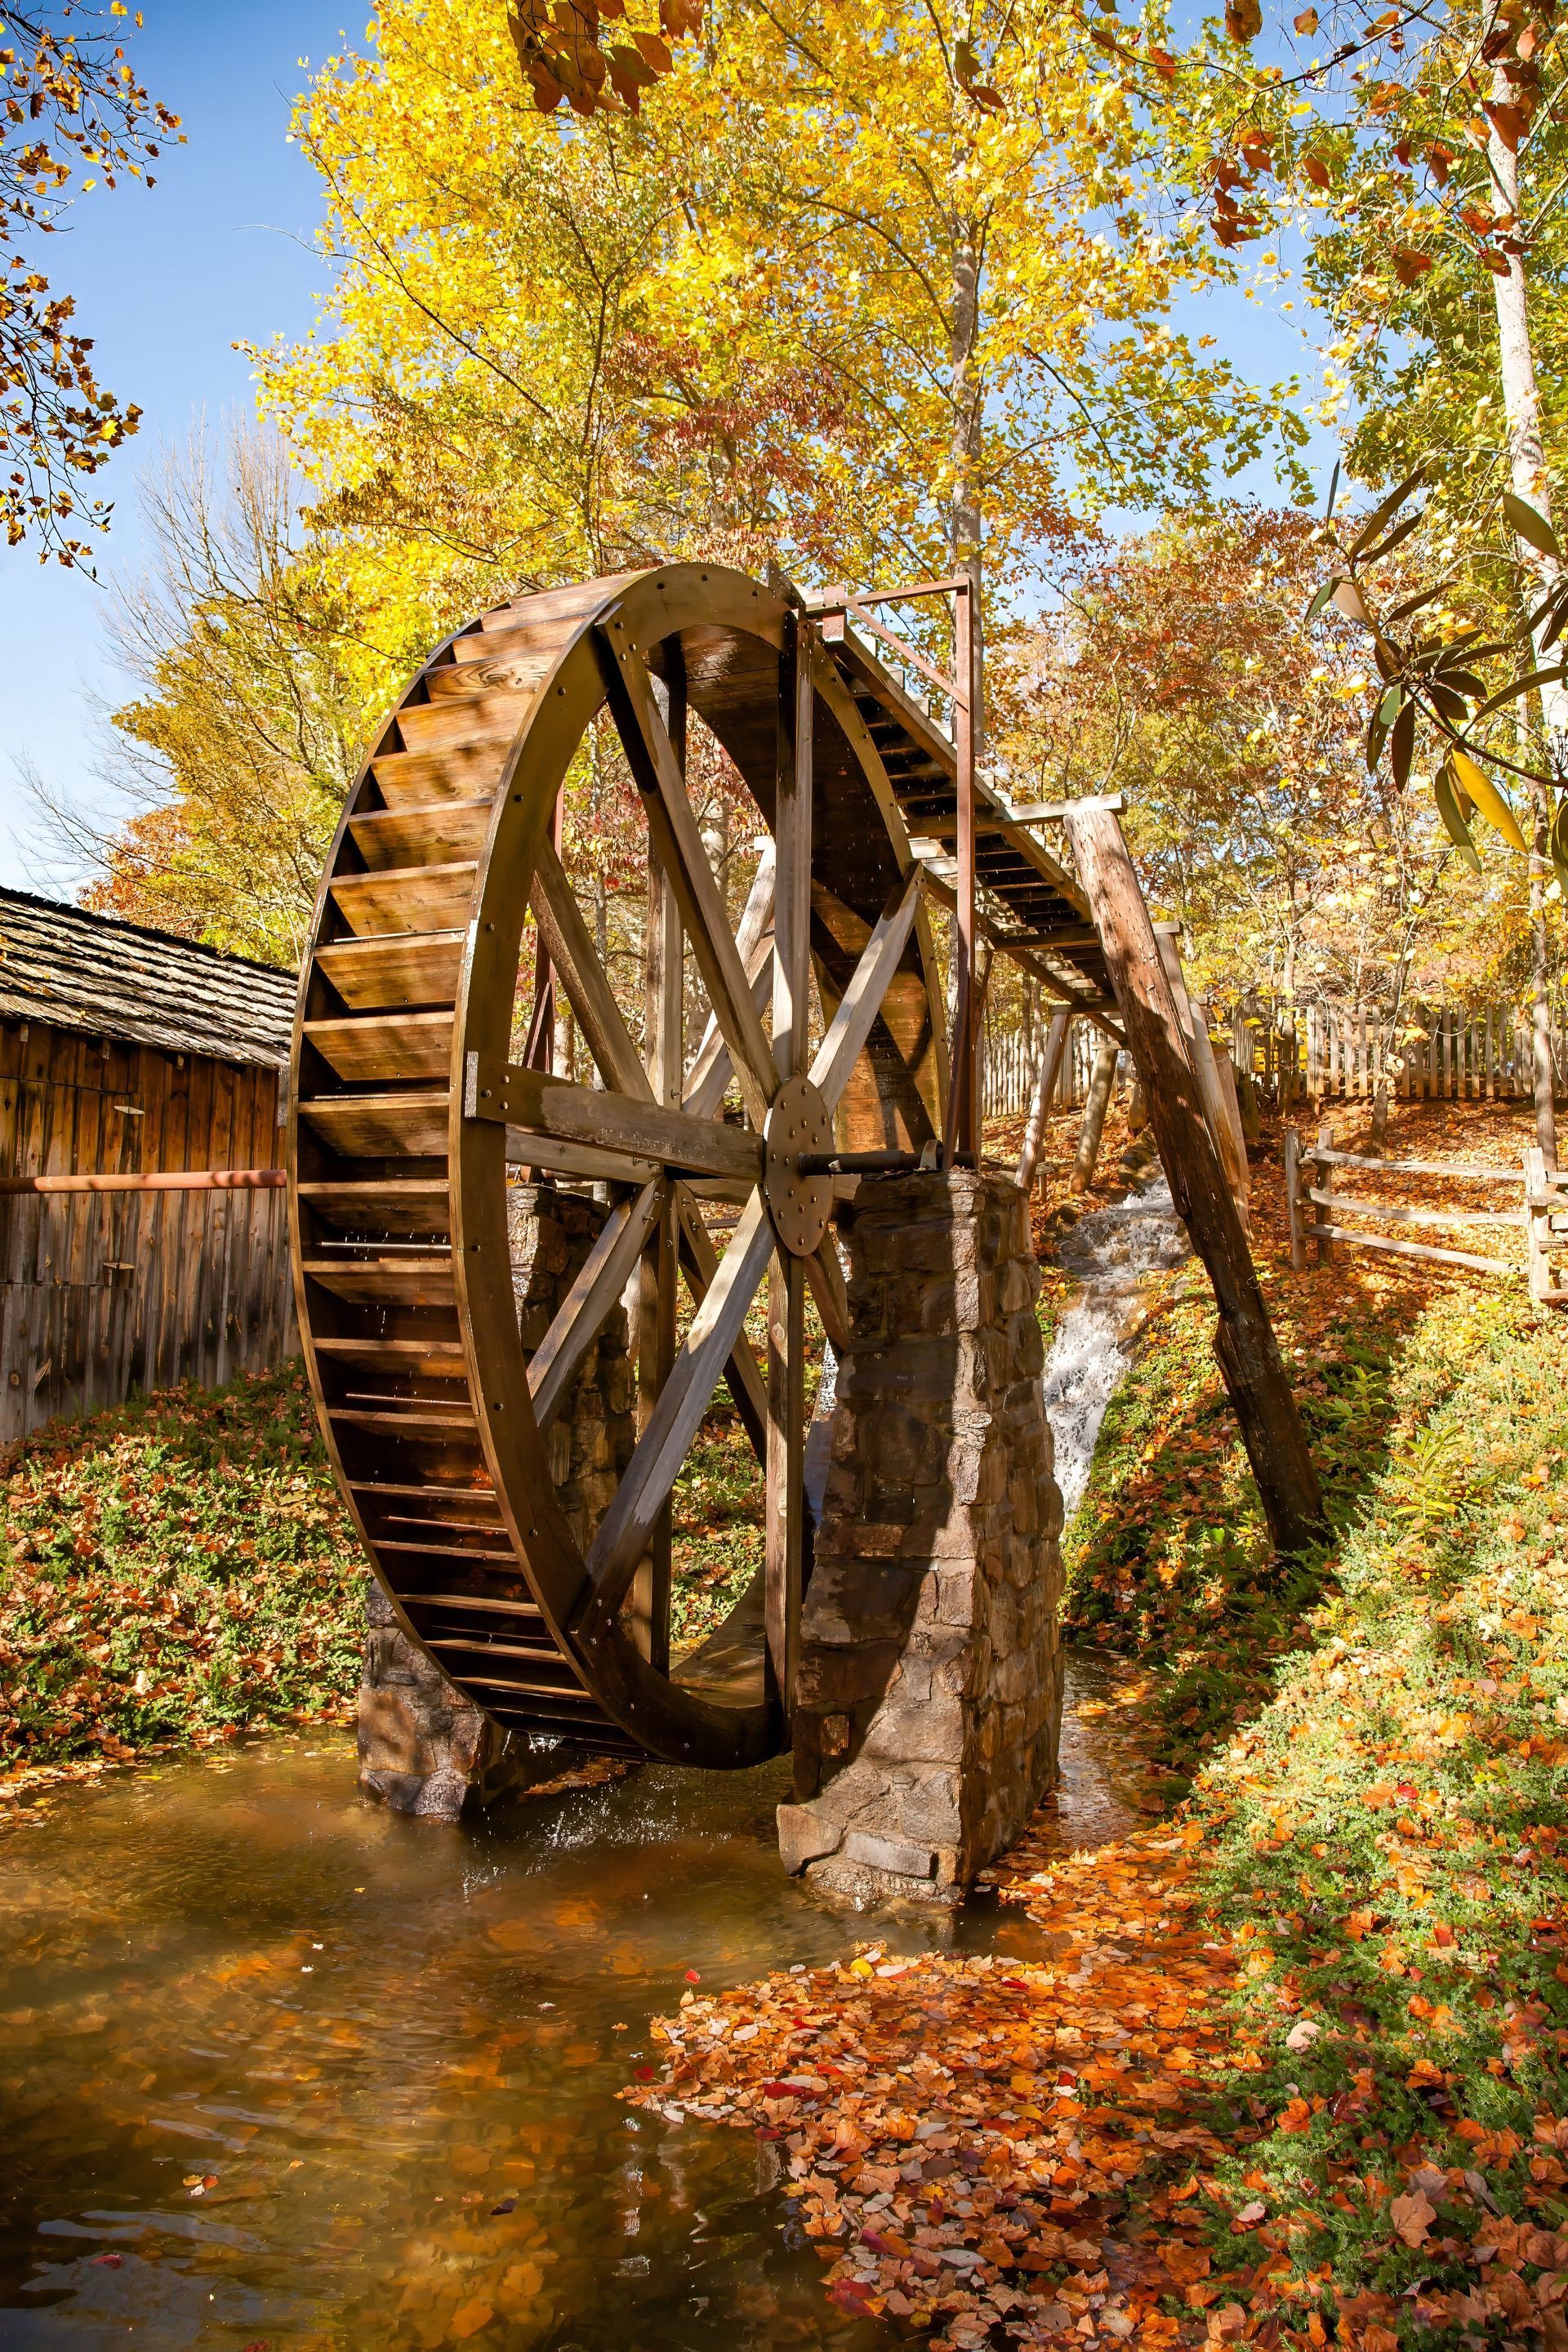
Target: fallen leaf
(1412, 2216)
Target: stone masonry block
(928, 1694)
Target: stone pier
(930, 1684)
(423, 1748)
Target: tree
(1178, 669)
(1440, 673)
(1424, 155)
(237, 751)
(70, 104)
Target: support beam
(1248, 1353)
(1045, 1089)
(1102, 1078)
(1192, 1020)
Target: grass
(1373, 1743)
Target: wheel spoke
(862, 1002)
(783, 1570)
(583, 977)
(656, 1461)
(673, 828)
(825, 1276)
(592, 1300)
(712, 1070)
(700, 1261)
(558, 1112)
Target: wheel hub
(799, 1121)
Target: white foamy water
(1112, 1254)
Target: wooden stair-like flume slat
(375, 975)
(404, 899)
(444, 833)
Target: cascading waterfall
(1113, 1253)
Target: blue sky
(166, 282)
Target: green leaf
(1454, 824)
(1533, 528)
(1401, 744)
(1413, 603)
(1322, 598)
(1333, 491)
(1380, 514)
(1401, 530)
(1522, 686)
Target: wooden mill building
(142, 1230)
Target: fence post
(1293, 1196)
(1325, 1180)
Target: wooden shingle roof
(111, 978)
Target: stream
(280, 2071)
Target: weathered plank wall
(102, 1293)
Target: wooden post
(1094, 1110)
(1248, 1352)
(964, 1109)
(1323, 1171)
(1045, 1087)
(1293, 1196)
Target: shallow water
(1113, 1253)
(385, 2054)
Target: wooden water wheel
(409, 1112)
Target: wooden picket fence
(1012, 1065)
(1316, 1212)
(1341, 1052)
(1329, 1052)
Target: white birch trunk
(1527, 468)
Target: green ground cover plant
(177, 1568)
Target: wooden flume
(409, 1107)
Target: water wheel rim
(725, 613)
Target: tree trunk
(1527, 466)
(1542, 1072)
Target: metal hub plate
(798, 1121)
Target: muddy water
(277, 2069)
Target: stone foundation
(928, 1694)
(423, 1747)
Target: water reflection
(280, 2069)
